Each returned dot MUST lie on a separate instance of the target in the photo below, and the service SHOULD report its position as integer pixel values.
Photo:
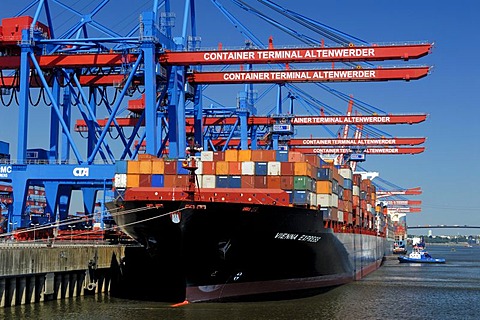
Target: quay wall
(31, 273)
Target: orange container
(263, 155)
(145, 156)
(313, 159)
(175, 181)
(273, 182)
(324, 187)
(145, 166)
(295, 156)
(133, 167)
(234, 168)
(302, 169)
(244, 155)
(231, 155)
(248, 182)
(221, 168)
(158, 166)
(208, 167)
(133, 180)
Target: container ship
(241, 224)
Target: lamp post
(12, 228)
(88, 228)
(34, 227)
(71, 235)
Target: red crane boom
(321, 54)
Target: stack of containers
(347, 195)
(356, 211)
(340, 195)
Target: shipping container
(231, 155)
(273, 168)
(133, 180)
(157, 180)
(120, 180)
(234, 168)
(281, 156)
(158, 166)
(295, 156)
(221, 181)
(324, 187)
(170, 167)
(145, 180)
(206, 156)
(234, 181)
(263, 155)
(218, 156)
(301, 197)
(248, 181)
(208, 181)
(221, 168)
(260, 182)
(248, 168)
(286, 182)
(302, 183)
(261, 168)
(244, 155)
(287, 168)
(133, 167)
(274, 182)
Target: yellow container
(158, 167)
(133, 180)
(302, 169)
(244, 155)
(145, 167)
(231, 155)
(133, 167)
(324, 187)
(221, 168)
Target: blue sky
(447, 171)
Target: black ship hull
(218, 251)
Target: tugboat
(399, 247)
(420, 256)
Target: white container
(340, 216)
(273, 168)
(248, 168)
(206, 156)
(356, 191)
(209, 181)
(334, 200)
(120, 181)
(346, 173)
(324, 200)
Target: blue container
(234, 181)
(221, 181)
(301, 197)
(327, 213)
(261, 168)
(121, 166)
(180, 169)
(324, 174)
(281, 155)
(347, 184)
(158, 180)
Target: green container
(302, 183)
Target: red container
(248, 182)
(175, 181)
(264, 155)
(273, 182)
(260, 182)
(208, 167)
(218, 156)
(287, 168)
(286, 182)
(145, 180)
(170, 167)
(234, 168)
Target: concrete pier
(31, 273)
